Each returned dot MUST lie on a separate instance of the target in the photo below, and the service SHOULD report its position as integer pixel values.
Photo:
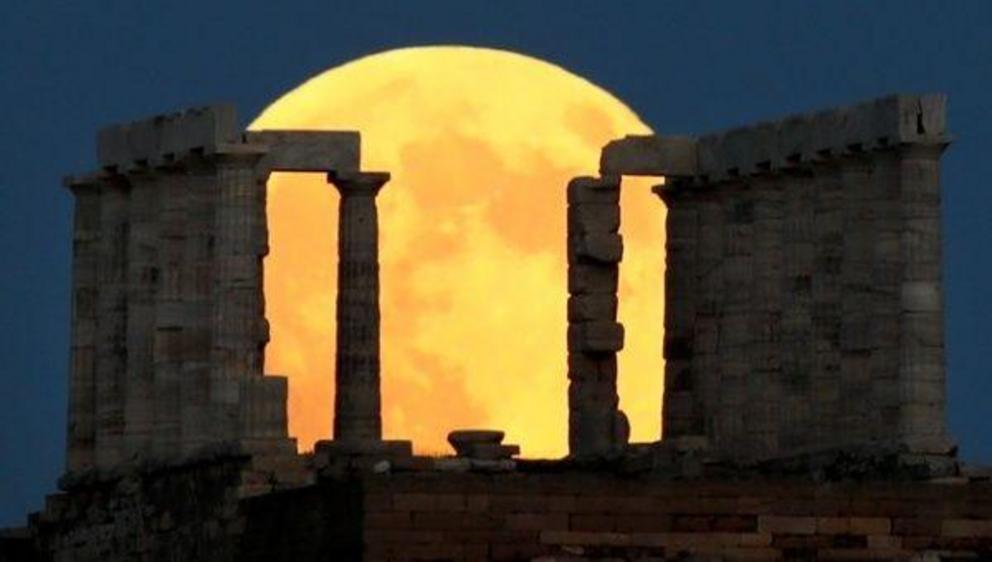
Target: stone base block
(336, 458)
(325, 452)
(491, 451)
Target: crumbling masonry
(804, 398)
(803, 287)
(169, 329)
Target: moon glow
(481, 144)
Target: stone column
(142, 285)
(763, 400)
(112, 312)
(239, 329)
(171, 313)
(828, 296)
(858, 414)
(795, 323)
(682, 412)
(735, 334)
(81, 434)
(595, 426)
(197, 294)
(922, 375)
(707, 288)
(357, 400)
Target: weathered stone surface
(650, 155)
(596, 218)
(308, 150)
(237, 300)
(594, 251)
(462, 438)
(921, 296)
(809, 247)
(357, 403)
(164, 138)
(592, 279)
(782, 144)
(82, 421)
(601, 248)
(596, 191)
(489, 451)
(170, 325)
(583, 307)
(595, 336)
(593, 367)
(504, 511)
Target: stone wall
(542, 514)
(606, 517)
(177, 512)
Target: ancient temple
(804, 405)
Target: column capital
(358, 183)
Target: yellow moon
(481, 144)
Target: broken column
(357, 400)
(596, 426)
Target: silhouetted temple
(804, 404)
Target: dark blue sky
(66, 68)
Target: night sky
(68, 68)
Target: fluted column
(239, 329)
(922, 371)
(357, 402)
(81, 434)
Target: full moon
(481, 144)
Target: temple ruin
(804, 405)
(803, 305)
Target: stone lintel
(165, 138)
(308, 151)
(650, 155)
